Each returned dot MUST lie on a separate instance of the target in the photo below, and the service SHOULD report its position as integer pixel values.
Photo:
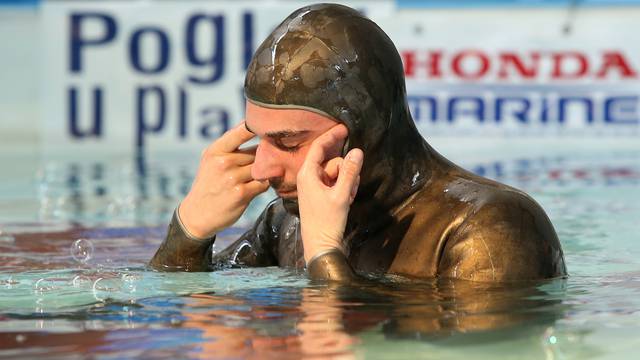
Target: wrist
(317, 251)
(330, 265)
(185, 220)
(321, 253)
(316, 241)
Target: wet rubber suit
(415, 214)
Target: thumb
(349, 172)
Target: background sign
(132, 76)
(150, 76)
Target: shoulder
(273, 213)
(492, 203)
(506, 235)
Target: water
(76, 233)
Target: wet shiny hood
(333, 60)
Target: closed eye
(287, 148)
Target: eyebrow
(282, 134)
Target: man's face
(285, 137)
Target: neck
(400, 166)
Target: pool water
(76, 233)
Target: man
(328, 82)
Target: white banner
(152, 75)
(125, 76)
(521, 71)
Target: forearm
(181, 252)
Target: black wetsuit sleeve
(181, 252)
(331, 266)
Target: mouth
(283, 189)
(291, 194)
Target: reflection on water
(75, 238)
(113, 305)
(297, 320)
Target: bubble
(129, 282)
(106, 288)
(82, 250)
(80, 281)
(548, 337)
(44, 285)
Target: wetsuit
(416, 213)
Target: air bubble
(129, 282)
(106, 288)
(82, 250)
(45, 285)
(80, 281)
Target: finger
(232, 139)
(251, 150)
(354, 190)
(240, 159)
(349, 172)
(255, 188)
(331, 169)
(241, 174)
(326, 142)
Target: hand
(326, 189)
(223, 186)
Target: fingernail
(355, 156)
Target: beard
(290, 203)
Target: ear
(346, 147)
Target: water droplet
(45, 285)
(82, 250)
(415, 178)
(129, 282)
(80, 281)
(106, 288)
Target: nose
(266, 164)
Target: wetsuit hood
(333, 60)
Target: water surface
(76, 233)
